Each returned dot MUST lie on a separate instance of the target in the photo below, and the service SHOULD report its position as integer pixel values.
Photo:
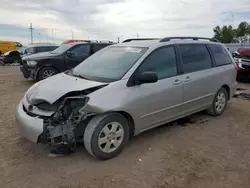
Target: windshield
(61, 49)
(109, 64)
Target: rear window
(195, 57)
(30, 50)
(220, 54)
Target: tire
(215, 110)
(43, 71)
(95, 133)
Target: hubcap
(110, 137)
(220, 102)
(48, 73)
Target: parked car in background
(67, 56)
(6, 46)
(37, 48)
(242, 58)
(232, 47)
(74, 41)
(16, 55)
(11, 57)
(126, 89)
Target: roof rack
(166, 39)
(138, 39)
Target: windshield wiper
(80, 76)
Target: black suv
(67, 56)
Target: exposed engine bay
(66, 124)
(61, 128)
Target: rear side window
(81, 50)
(220, 54)
(195, 57)
(43, 49)
(162, 61)
(97, 47)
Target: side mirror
(70, 54)
(147, 77)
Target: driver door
(76, 55)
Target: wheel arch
(45, 66)
(227, 88)
(130, 121)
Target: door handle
(188, 78)
(177, 82)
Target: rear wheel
(219, 103)
(106, 135)
(46, 72)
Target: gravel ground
(201, 151)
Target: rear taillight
(236, 67)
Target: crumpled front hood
(51, 89)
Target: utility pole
(137, 35)
(118, 40)
(72, 34)
(53, 35)
(40, 37)
(31, 32)
(233, 20)
(47, 37)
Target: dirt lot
(206, 152)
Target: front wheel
(46, 72)
(106, 135)
(219, 103)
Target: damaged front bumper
(61, 129)
(30, 127)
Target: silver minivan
(126, 89)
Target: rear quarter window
(220, 54)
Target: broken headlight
(47, 106)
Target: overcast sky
(109, 19)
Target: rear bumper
(30, 127)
